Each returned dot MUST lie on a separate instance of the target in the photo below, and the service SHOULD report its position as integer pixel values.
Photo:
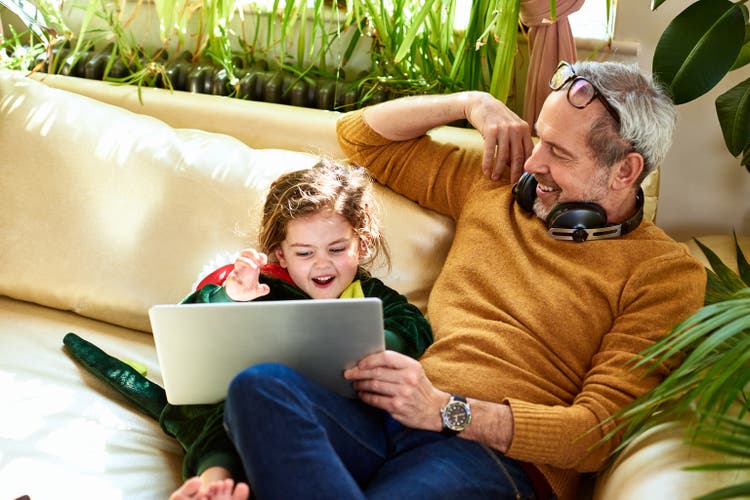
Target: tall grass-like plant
(711, 383)
(415, 48)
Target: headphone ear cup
(525, 191)
(577, 215)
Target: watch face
(456, 415)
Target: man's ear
(280, 257)
(627, 171)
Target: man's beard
(540, 210)
(597, 191)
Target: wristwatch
(456, 415)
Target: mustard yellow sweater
(543, 325)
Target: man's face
(562, 162)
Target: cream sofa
(109, 204)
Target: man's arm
(507, 138)
(397, 384)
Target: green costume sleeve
(209, 293)
(406, 329)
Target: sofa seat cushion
(64, 434)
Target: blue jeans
(299, 440)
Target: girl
(317, 236)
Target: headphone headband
(577, 221)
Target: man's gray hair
(648, 116)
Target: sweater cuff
(544, 434)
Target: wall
(704, 190)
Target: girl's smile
(321, 253)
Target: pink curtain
(548, 44)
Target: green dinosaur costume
(199, 428)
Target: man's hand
(242, 284)
(397, 384)
(507, 138)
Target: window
(591, 20)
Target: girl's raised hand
(242, 284)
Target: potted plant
(697, 50)
(304, 48)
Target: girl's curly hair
(347, 190)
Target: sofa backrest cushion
(106, 212)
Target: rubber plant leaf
(656, 3)
(744, 56)
(698, 47)
(733, 110)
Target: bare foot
(190, 489)
(222, 489)
(227, 490)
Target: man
(534, 331)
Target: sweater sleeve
(406, 330)
(660, 294)
(436, 175)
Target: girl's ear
(363, 249)
(280, 257)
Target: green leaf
(698, 47)
(725, 274)
(744, 57)
(733, 110)
(416, 24)
(716, 290)
(656, 3)
(739, 490)
(742, 265)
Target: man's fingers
(380, 386)
(517, 159)
(387, 359)
(488, 158)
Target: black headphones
(576, 221)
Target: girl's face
(321, 252)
